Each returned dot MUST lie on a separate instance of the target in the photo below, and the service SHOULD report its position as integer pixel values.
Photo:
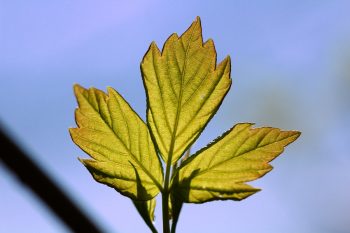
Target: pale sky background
(290, 69)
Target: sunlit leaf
(123, 155)
(184, 89)
(220, 171)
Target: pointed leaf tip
(78, 89)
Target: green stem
(165, 204)
(165, 199)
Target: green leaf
(123, 155)
(146, 210)
(175, 207)
(184, 89)
(219, 171)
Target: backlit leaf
(184, 89)
(123, 155)
(220, 171)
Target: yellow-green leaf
(123, 155)
(184, 89)
(220, 171)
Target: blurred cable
(34, 178)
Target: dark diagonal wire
(33, 177)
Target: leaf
(123, 155)
(175, 207)
(146, 210)
(219, 171)
(184, 89)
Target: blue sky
(290, 69)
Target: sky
(290, 69)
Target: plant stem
(165, 199)
(165, 209)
